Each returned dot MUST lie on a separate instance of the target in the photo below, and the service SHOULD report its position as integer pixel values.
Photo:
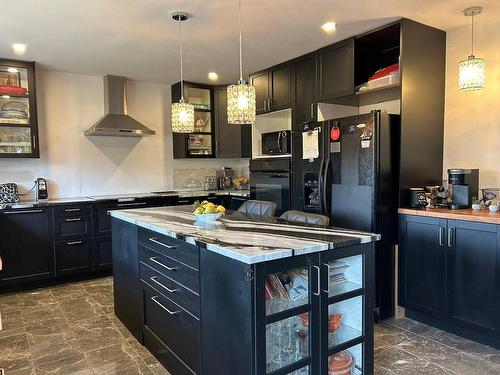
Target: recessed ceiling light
(6, 96)
(212, 76)
(19, 48)
(329, 27)
(12, 70)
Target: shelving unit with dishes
(18, 115)
(201, 142)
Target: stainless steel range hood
(116, 122)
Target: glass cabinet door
(17, 135)
(290, 322)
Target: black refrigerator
(355, 181)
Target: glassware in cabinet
(287, 289)
(15, 140)
(200, 144)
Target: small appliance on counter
(210, 183)
(276, 143)
(463, 185)
(42, 191)
(225, 178)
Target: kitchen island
(244, 295)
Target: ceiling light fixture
(12, 70)
(213, 76)
(240, 97)
(182, 112)
(19, 48)
(329, 27)
(471, 71)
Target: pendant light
(240, 97)
(471, 70)
(182, 112)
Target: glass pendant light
(240, 97)
(182, 112)
(471, 71)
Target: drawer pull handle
(152, 239)
(22, 212)
(183, 201)
(74, 243)
(163, 307)
(76, 219)
(132, 204)
(153, 259)
(72, 210)
(163, 286)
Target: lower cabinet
(450, 270)
(102, 258)
(73, 257)
(26, 245)
(235, 202)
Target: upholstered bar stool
(305, 217)
(258, 208)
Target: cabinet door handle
(72, 210)
(312, 110)
(153, 259)
(327, 290)
(441, 236)
(318, 270)
(132, 204)
(34, 142)
(152, 239)
(75, 219)
(271, 104)
(163, 286)
(183, 201)
(154, 299)
(22, 212)
(74, 243)
(450, 237)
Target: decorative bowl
(208, 217)
(476, 206)
(494, 208)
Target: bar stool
(305, 217)
(258, 208)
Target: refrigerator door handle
(325, 182)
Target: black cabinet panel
(228, 135)
(280, 81)
(421, 263)
(73, 257)
(261, 83)
(336, 70)
(236, 202)
(472, 295)
(72, 227)
(102, 253)
(26, 247)
(305, 91)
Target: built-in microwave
(276, 143)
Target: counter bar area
(244, 295)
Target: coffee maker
(464, 184)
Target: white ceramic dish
(208, 217)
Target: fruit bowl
(208, 217)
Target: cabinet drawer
(73, 227)
(169, 288)
(73, 257)
(176, 328)
(171, 247)
(181, 273)
(74, 210)
(164, 355)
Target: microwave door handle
(279, 142)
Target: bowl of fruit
(207, 211)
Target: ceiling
(138, 39)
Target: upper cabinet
(18, 114)
(336, 70)
(273, 89)
(200, 143)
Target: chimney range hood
(116, 122)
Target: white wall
(472, 119)
(75, 165)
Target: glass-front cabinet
(18, 115)
(200, 143)
(318, 314)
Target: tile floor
(71, 329)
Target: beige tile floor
(72, 329)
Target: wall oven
(270, 181)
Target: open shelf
(342, 335)
(378, 89)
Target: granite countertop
(482, 216)
(241, 237)
(181, 193)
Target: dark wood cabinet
(336, 70)
(19, 133)
(449, 271)
(232, 141)
(26, 249)
(273, 88)
(102, 258)
(73, 257)
(421, 264)
(472, 275)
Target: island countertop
(241, 237)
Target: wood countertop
(482, 216)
